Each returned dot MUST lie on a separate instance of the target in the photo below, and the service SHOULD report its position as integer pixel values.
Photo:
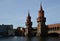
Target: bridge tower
(41, 29)
(28, 30)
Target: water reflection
(36, 39)
(42, 39)
(28, 39)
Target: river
(15, 38)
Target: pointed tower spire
(41, 11)
(28, 13)
(41, 6)
(28, 17)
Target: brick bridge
(54, 28)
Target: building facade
(20, 31)
(6, 29)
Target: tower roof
(28, 13)
(41, 6)
(41, 11)
(28, 17)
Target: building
(20, 31)
(6, 29)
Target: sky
(15, 11)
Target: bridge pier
(59, 35)
(38, 34)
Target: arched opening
(53, 34)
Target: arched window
(55, 28)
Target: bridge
(55, 31)
(52, 31)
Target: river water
(15, 38)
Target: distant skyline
(15, 11)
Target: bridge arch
(53, 34)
